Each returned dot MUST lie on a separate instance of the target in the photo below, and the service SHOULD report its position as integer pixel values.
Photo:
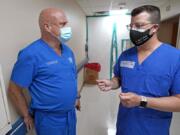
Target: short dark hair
(152, 10)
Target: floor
(98, 113)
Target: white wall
(100, 38)
(19, 27)
(174, 9)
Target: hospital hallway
(67, 35)
(99, 109)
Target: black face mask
(139, 38)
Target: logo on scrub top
(70, 60)
(52, 62)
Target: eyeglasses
(137, 25)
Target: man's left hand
(78, 104)
(130, 99)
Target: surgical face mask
(65, 34)
(139, 36)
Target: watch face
(143, 102)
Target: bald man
(47, 69)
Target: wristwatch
(143, 102)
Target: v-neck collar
(148, 57)
(51, 49)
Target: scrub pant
(55, 123)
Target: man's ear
(154, 29)
(47, 27)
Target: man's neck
(54, 43)
(147, 49)
(150, 45)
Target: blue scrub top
(50, 78)
(157, 76)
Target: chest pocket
(132, 81)
(158, 84)
(153, 85)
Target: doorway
(168, 31)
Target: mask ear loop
(156, 27)
(49, 27)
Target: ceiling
(92, 6)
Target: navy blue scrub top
(50, 78)
(157, 76)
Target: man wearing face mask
(47, 69)
(149, 76)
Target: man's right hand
(29, 122)
(104, 85)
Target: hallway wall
(100, 31)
